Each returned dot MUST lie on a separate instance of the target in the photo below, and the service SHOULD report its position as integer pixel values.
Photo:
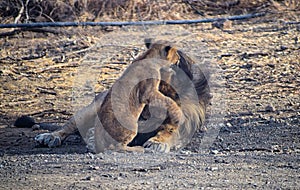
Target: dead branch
(46, 91)
(126, 23)
(38, 30)
(20, 12)
(57, 66)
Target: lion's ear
(172, 54)
(148, 42)
(184, 64)
(167, 49)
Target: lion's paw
(48, 139)
(154, 146)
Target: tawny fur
(126, 99)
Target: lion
(189, 80)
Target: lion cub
(126, 99)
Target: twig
(21, 102)
(137, 23)
(26, 10)
(20, 12)
(195, 9)
(57, 66)
(46, 91)
(17, 31)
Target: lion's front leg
(174, 112)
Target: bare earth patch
(257, 147)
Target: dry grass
(109, 10)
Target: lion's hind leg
(82, 120)
(163, 140)
(48, 139)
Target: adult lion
(188, 88)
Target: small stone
(220, 161)
(118, 178)
(276, 148)
(89, 178)
(187, 152)
(90, 155)
(146, 183)
(269, 108)
(282, 48)
(94, 168)
(211, 169)
(122, 175)
(286, 150)
(36, 127)
(106, 175)
(214, 151)
(228, 124)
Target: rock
(94, 168)
(89, 178)
(228, 124)
(213, 168)
(276, 148)
(107, 175)
(269, 108)
(214, 151)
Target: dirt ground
(257, 146)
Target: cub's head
(168, 51)
(160, 50)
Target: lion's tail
(28, 122)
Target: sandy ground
(257, 145)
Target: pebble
(228, 124)
(269, 108)
(94, 168)
(146, 183)
(220, 161)
(211, 168)
(187, 152)
(90, 155)
(122, 175)
(276, 148)
(106, 175)
(89, 178)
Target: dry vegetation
(107, 10)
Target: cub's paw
(154, 146)
(48, 139)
